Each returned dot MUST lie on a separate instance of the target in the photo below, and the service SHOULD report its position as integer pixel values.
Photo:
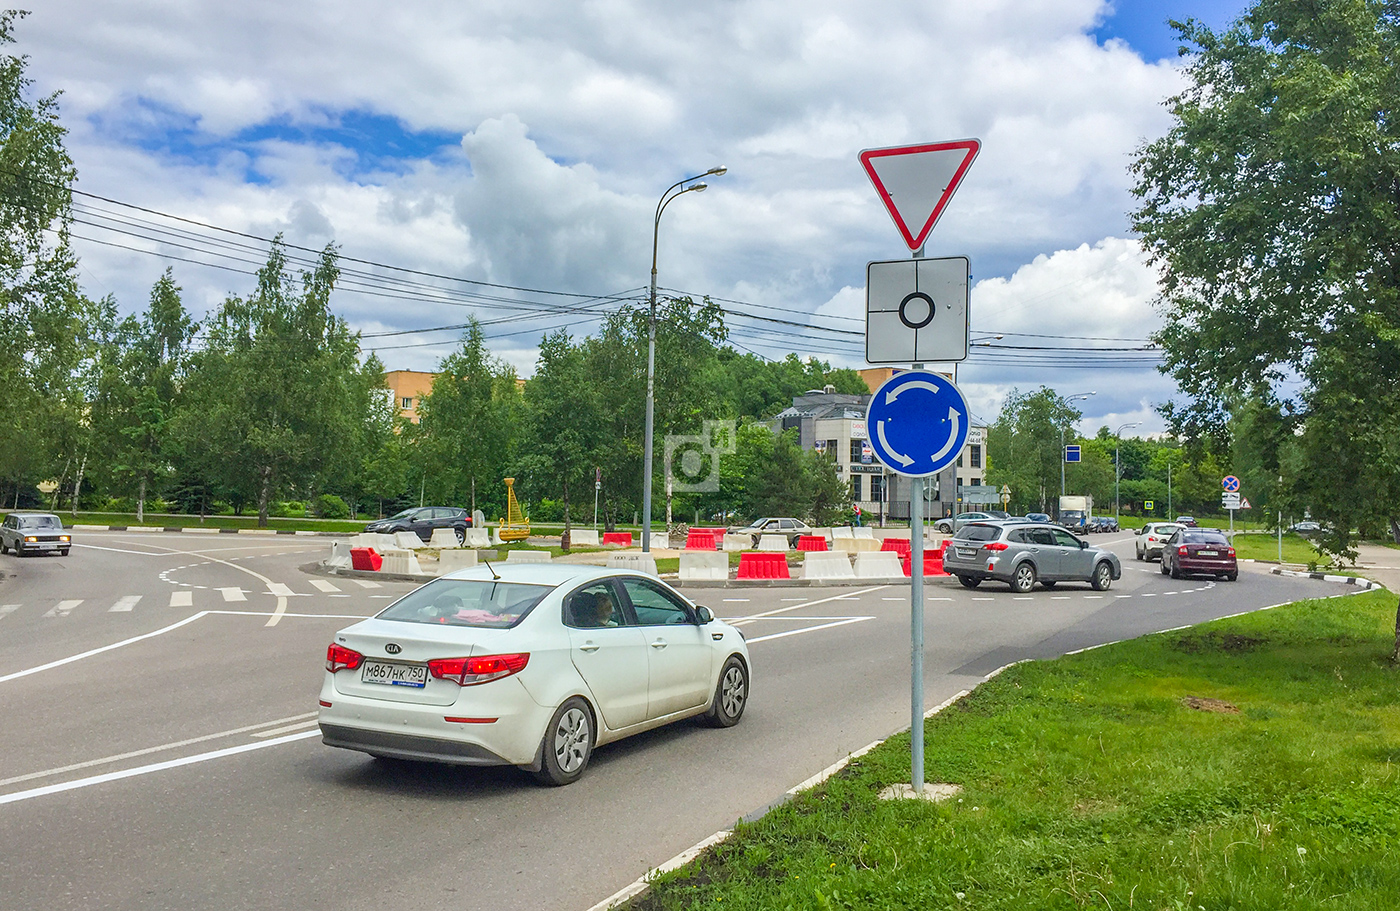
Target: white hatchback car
(530, 665)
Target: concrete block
(827, 565)
(478, 537)
(773, 543)
(407, 540)
(642, 563)
(737, 542)
(401, 561)
(879, 564)
(529, 556)
(484, 554)
(855, 545)
(842, 531)
(864, 532)
(443, 537)
(340, 554)
(704, 564)
(453, 560)
(583, 537)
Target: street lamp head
(718, 170)
(698, 187)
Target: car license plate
(964, 552)
(1207, 553)
(386, 674)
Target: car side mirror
(703, 616)
(1083, 544)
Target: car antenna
(495, 577)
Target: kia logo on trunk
(392, 648)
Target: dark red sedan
(1199, 551)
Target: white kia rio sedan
(530, 665)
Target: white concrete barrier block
(642, 563)
(880, 564)
(478, 537)
(340, 554)
(583, 537)
(710, 565)
(773, 543)
(443, 537)
(737, 542)
(529, 556)
(407, 540)
(864, 532)
(827, 565)
(404, 562)
(453, 560)
(842, 531)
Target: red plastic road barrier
(900, 546)
(699, 539)
(754, 565)
(811, 542)
(933, 563)
(623, 538)
(365, 558)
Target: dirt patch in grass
(1206, 704)
(1217, 641)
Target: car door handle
(589, 646)
(659, 643)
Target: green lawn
(1296, 549)
(1251, 763)
(185, 521)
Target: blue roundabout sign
(918, 423)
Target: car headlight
(63, 538)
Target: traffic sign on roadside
(916, 310)
(1230, 483)
(1229, 500)
(918, 421)
(1072, 453)
(916, 182)
(1147, 504)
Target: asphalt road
(158, 697)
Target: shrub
(330, 506)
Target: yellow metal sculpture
(515, 527)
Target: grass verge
(1296, 549)
(186, 521)
(1250, 763)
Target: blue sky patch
(1143, 23)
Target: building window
(407, 404)
(974, 454)
(855, 487)
(855, 451)
(877, 489)
(831, 452)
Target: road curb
(178, 529)
(1363, 584)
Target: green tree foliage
(1023, 448)
(1272, 207)
(45, 324)
(278, 397)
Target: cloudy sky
(504, 159)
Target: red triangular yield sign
(916, 182)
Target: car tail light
(340, 658)
(483, 669)
(1229, 551)
(1182, 550)
(995, 545)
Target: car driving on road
(948, 525)
(1199, 551)
(1022, 555)
(423, 520)
(789, 528)
(28, 533)
(1151, 538)
(532, 666)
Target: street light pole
(1070, 398)
(1117, 466)
(671, 193)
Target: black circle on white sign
(916, 310)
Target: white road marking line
(386, 597)
(1093, 597)
(165, 746)
(1023, 598)
(795, 619)
(124, 603)
(286, 730)
(232, 594)
(735, 600)
(1122, 596)
(7, 609)
(945, 599)
(63, 608)
(365, 583)
(324, 586)
(984, 599)
(1059, 597)
(279, 589)
(894, 599)
(97, 651)
(1149, 594)
(340, 596)
(792, 599)
(148, 769)
(810, 629)
(182, 599)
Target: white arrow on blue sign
(918, 423)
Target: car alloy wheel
(1165, 569)
(568, 743)
(969, 581)
(1024, 579)
(731, 695)
(461, 536)
(1103, 577)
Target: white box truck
(1075, 512)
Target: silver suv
(1022, 554)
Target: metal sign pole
(916, 633)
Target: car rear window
(467, 602)
(977, 532)
(1204, 539)
(39, 522)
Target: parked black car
(422, 520)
